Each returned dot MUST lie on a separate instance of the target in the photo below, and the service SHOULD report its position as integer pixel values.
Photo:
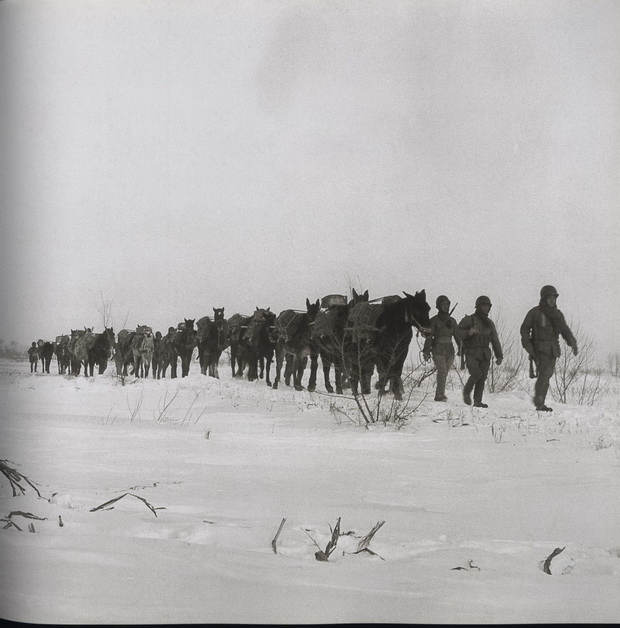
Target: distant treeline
(13, 351)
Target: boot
(543, 408)
(478, 391)
(467, 391)
(539, 404)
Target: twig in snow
(547, 563)
(108, 503)
(323, 556)
(27, 515)
(275, 538)
(362, 546)
(15, 477)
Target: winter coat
(539, 334)
(477, 345)
(439, 341)
(33, 354)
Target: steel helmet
(482, 300)
(548, 291)
(440, 299)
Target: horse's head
(312, 309)
(417, 313)
(218, 313)
(357, 298)
(256, 326)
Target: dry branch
(15, 477)
(27, 515)
(275, 538)
(554, 553)
(112, 501)
(323, 556)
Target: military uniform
(540, 332)
(476, 334)
(439, 344)
(33, 356)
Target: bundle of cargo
(332, 300)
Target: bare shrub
(613, 364)
(509, 374)
(576, 377)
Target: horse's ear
(407, 295)
(308, 303)
(366, 294)
(317, 303)
(355, 295)
(268, 309)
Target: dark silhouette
(212, 338)
(294, 344)
(260, 340)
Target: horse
(295, 345)
(259, 337)
(142, 348)
(212, 339)
(240, 353)
(100, 351)
(183, 343)
(74, 364)
(46, 351)
(380, 334)
(123, 354)
(328, 333)
(84, 341)
(62, 354)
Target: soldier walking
(33, 356)
(439, 344)
(475, 333)
(540, 332)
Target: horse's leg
(215, 364)
(279, 359)
(288, 369)
(299, 368)
(367, 371)
(314, 365)
(327, 364)
(268, 360)
(252, 360)
(338, 378)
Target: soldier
(540, 333)
(439, 344)
(33, 355)
(475, 332)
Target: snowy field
(474, 502)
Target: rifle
(533, 372)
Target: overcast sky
(168, 157)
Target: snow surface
(473, 501)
